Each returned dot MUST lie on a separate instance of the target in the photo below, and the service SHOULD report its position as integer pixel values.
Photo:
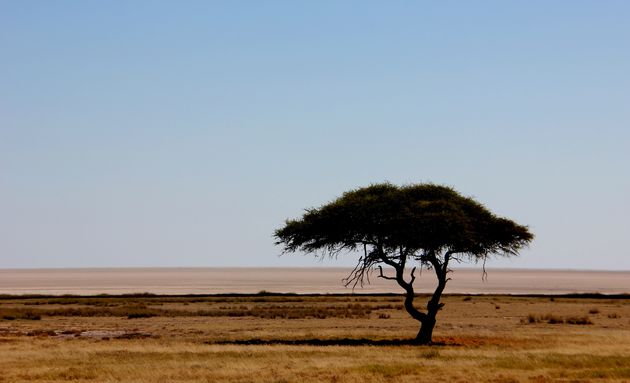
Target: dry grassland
(349, 338)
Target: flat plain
(312, 338)
(326, 280)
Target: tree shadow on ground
(328, 342)
(472, 341)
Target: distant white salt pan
(298, 280)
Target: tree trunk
(427, 320)
(425, 335)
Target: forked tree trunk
(427, 320)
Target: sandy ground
(335, 339)
(297, 280)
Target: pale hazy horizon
(93, 281)
(331, 265)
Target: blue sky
(148, 133)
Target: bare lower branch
(381, 275)
(484, 276)
(361, 271)
(413, 276)
(356, 275)
(388, 261)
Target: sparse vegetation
(13, 314)
(269, 311)
(554, 319)
(430, 354)
(140, 315)
(180, 344)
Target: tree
(422, 225)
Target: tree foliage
(398, 226)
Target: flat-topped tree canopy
(416, 218)
(426, 223)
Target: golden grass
(479, 342)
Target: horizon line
(54, 268)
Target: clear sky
(182, 133)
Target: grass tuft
(13, 314)
(554, 319)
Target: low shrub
(141, 315)
(13, 314)
(554, 319)
(578, 320)
(594, 310)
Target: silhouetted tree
(424, 224)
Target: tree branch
(381, 275)
(413, 277)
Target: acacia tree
(422, 225)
